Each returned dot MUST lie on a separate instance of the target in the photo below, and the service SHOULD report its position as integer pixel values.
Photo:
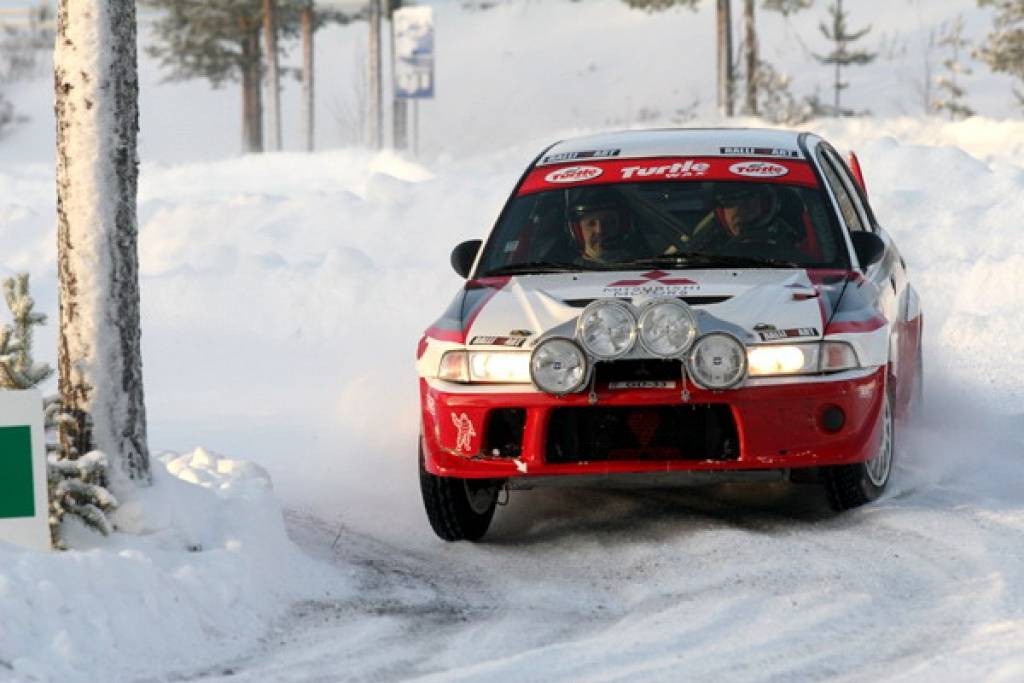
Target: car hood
(757, 305)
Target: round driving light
(667, 328)
(558, 366)
(718, 361)
(607, 329)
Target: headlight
(667, 328)
(782, 360)
(718, 361)
(503, 367)
(558, 366)
(607, 329)
(801, 359)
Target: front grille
(683, 432)
(503, 437)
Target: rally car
(671, 307)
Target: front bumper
(776, 426)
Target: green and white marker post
(23, 504)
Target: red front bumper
(777, 426)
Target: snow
(282, 299)
(202, 565)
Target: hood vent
(691, 300)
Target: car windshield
(665, 224)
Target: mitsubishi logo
(654, 277)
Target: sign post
(24, 508)
(413, 66)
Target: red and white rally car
(671, 307)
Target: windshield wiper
(532, 267)
(691, 259)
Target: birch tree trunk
(307, 75)
(252, 99)
(376, 114)
(750, 56)
(273, 78)
(399, 107)
(723, 16)
(99, 350)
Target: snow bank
(201, 570)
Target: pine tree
(950, 84)
(220, 42)
(787, 7)
(17, 368)
(1003, 49)
(19, 50)
(99, 349)
(659, 5)
(841, 55)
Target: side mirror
(464, 255)
(868, 246)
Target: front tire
(458, 509)
(850, 486)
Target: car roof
(673, 142)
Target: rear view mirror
(868, 246)
(464, 255)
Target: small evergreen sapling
(78, 488)
(950, 84)
(76, 485)
(842, 55)
(17, 369)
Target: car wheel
(458, 509)
(850, 486)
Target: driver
(601, 227)
(744, 213)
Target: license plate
(639, 384)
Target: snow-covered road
(733, 583)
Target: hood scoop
(691, 300)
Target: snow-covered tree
(19, 50)
(842, 55)
(1003, 49)
(99, 350)
(950, 84)
(787, 7)
(776, 102)
(17, 368)
(659, 5)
